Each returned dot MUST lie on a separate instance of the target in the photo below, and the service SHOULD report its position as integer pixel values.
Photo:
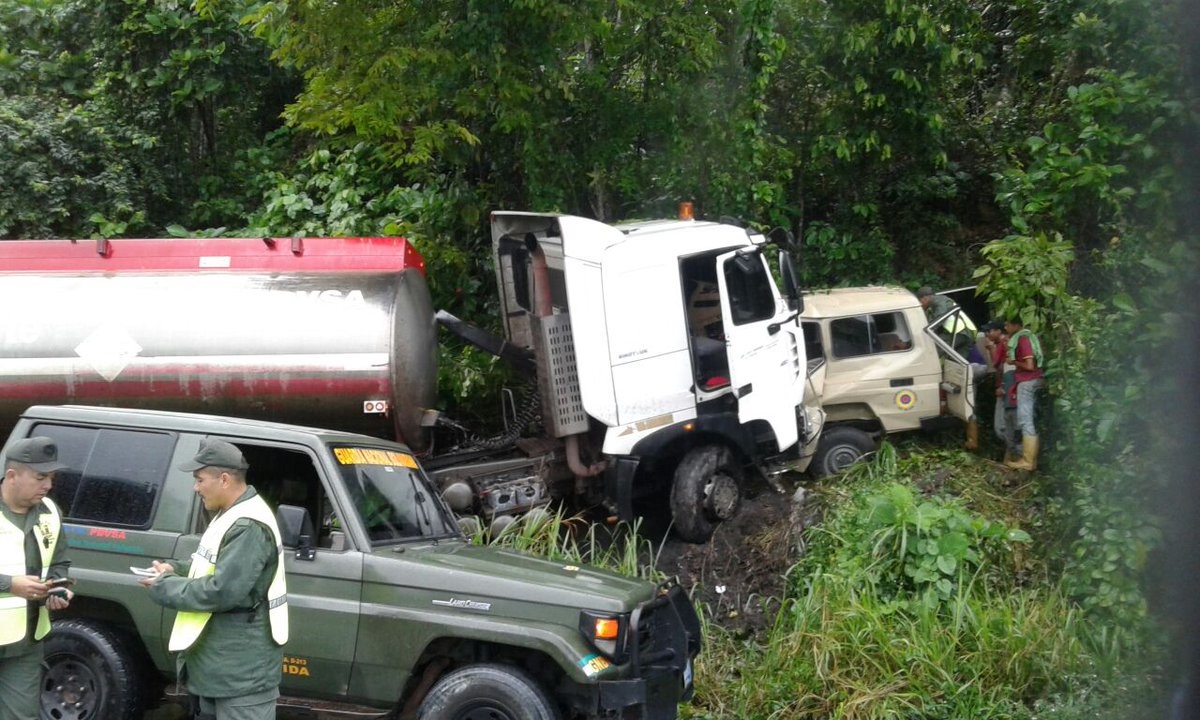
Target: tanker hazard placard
(371, 456)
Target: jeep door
(323, 589)
(954, 334)
(764, 347)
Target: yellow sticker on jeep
(906, 399)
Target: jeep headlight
(605, 632)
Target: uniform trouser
(259, 706)
(1026, 400)
(20, 678)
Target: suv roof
(195, 422)
(855, 300)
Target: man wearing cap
(32, 553)
(934, 305)
(230, 596)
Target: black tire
(706, 490)
(838, 449)
(90, 675)
(487, 692)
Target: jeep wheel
(487, 692)
(89, 674)
(838, 449)
(707, 489)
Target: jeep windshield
(392, 497)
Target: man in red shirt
(1025, 352)
(1004, 421)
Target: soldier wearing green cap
(934, 305)
(230, 595)
(32, 553)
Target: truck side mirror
(791, 282)
(296, 530)
(781, 237)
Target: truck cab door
(954, 333)
(762, 340)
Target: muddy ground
(740, 575)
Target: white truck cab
(667, 343)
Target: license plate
(687, 674)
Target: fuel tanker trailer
(331, 332)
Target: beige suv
(878, 366)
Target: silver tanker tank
(328, 332)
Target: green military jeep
(392, 610)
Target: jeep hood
(462, 572)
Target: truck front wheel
(89, 674)
(707, 489)
(838, 449)
(487, 692)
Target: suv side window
(870, 334)
(113, 477)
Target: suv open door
(954, 334)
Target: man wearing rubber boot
(232, 602)
(32, 554)
(1025, 352)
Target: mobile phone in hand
(144, 572)
(62, 583)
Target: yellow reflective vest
(189, 624)
(13, 609)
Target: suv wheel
(487, 692)
(707, 489)
(89, 674)
(838, 449)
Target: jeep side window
(870, 334)
(114, 476)
(283, 476)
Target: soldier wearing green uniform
(232, 603)
(32, 553)
(934, 305)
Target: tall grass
(836, 651)
(858, 638)
(571, 538)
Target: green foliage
(1026, 276)
(866, 631)
(60, 169)
(1094, 261)
(908, 549)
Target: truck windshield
(392, 497)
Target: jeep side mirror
(296, 530)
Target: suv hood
(465, 572)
